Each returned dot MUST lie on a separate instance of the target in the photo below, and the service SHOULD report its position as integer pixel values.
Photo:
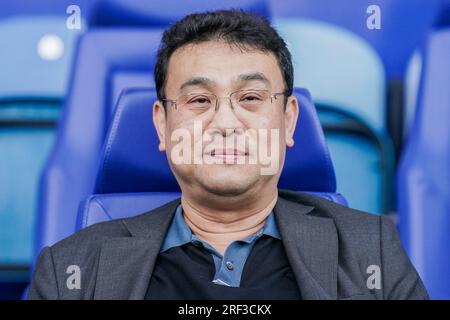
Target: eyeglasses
(250, 99)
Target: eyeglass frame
(272, 96)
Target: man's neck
(219, 227)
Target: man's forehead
(212, 61)
(243, 77)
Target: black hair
(236, 27)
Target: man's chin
(229, 190)
(228, 183)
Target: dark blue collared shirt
(229, 267)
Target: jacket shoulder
(92, 236)
(330, 209)
(357, 228)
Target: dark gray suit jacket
(335, 253)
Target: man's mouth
(228, 154)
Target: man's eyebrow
(254, 76)
(196, 81)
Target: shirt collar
(179, 232)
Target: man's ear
(290, 119)
(159, 121)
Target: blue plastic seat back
(35, 58)
(41, 8)
(143, 13)
(23, 153)
(40, 48)
(106, 61)
(339, 68)
(423, 186)
(346, 75)
(394, 41)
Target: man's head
(224, 81)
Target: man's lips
(227, 153)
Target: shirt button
(229, 265)
(197, 244)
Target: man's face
(236, 145)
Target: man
(233, 234)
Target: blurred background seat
(147, 13)
(35, 69)
(394, 42)
(134, 177)
(105, 60)
(349, 92)
(35, 58)
(424, 174)
(412, 80)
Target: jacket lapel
(126, 263)
(311, 246)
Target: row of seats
(423, 180)
(352, 108)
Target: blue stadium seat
(42, 8)
(148, 13)
(414, 69)
(423, 186)
(338, 67)
(24, 151)
(444, 15)
(107, 60)
(134, 177)
(394, 42)
(137, 13)
(40, 48)
(35, 59)
(350, 93)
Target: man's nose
(225, 117)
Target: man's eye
(250, 99)
(200, 100)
